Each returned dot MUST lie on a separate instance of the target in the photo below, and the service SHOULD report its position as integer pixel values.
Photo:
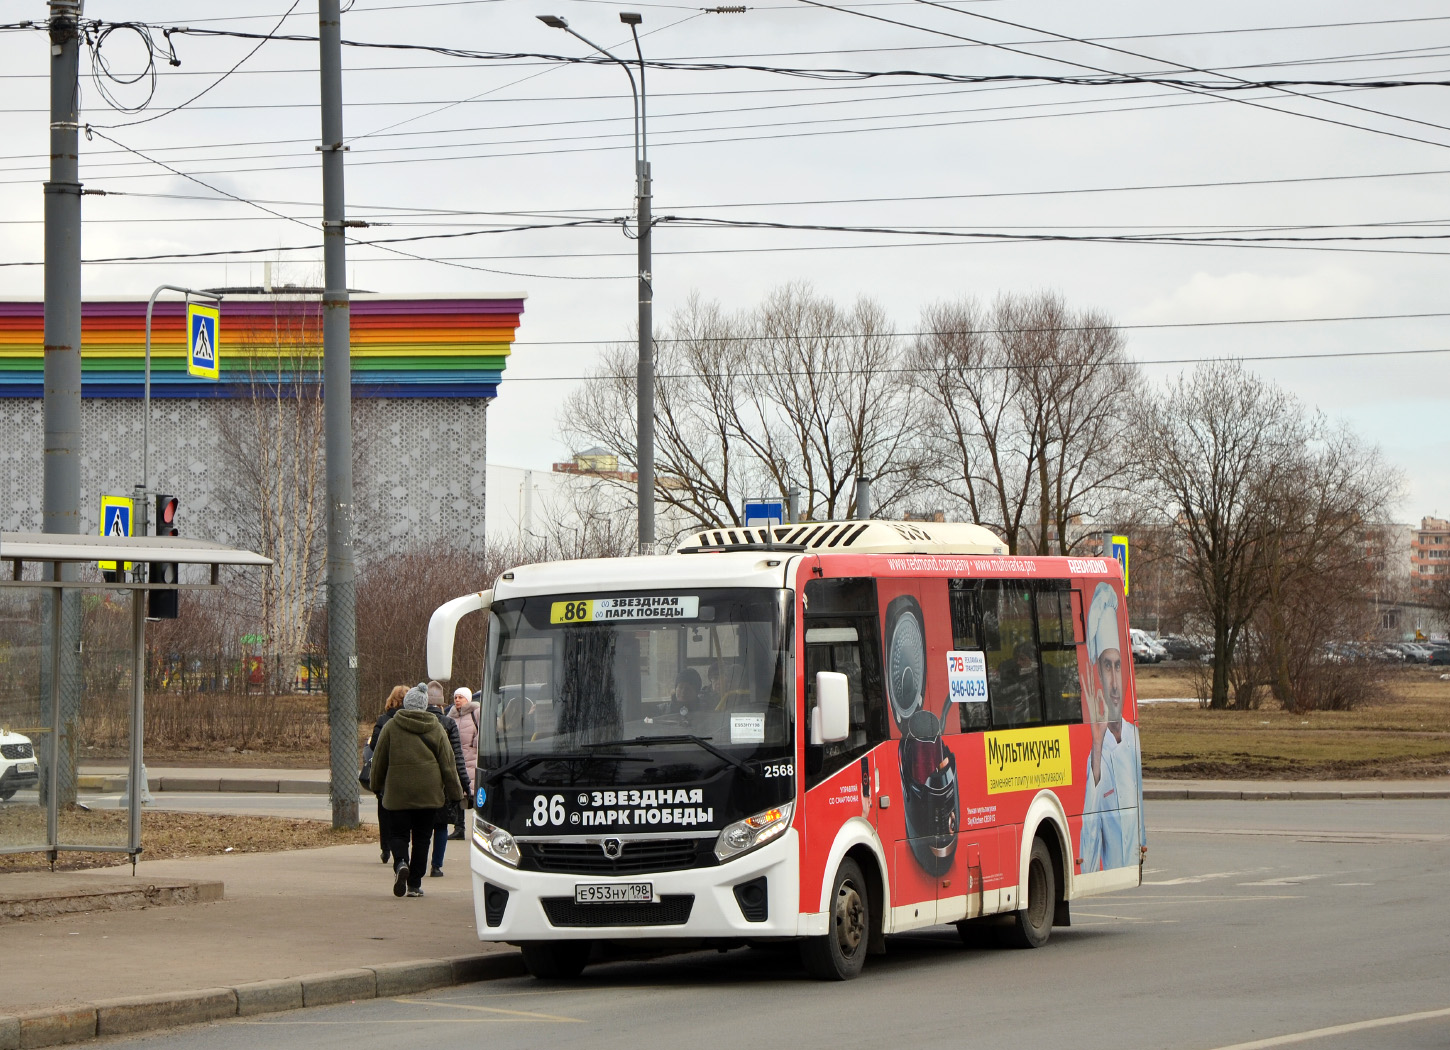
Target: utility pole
(645, 398)
(337, 421)
(61, 466)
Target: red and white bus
(826, 732)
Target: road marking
(1189, 880)
(527, 1015)
(1134, 920)
(1287, 880)
(1339, 1029)
(1227, 899)
(1310, 835)
(410, 1020)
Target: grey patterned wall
(419, 467)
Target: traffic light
(162, 605)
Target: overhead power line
(909, 370)
(1155, 326)
(1179, 65)
(1196, 87)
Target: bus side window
(1062, 690)
(966, 634)
(841, 635)
(1014, 672)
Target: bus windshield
(695, 670)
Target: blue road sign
(202, 323)
(1120, 554)
(116, 514)
(764, 512)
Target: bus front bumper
(691, 904)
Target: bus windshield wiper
(681, 738)
(524, 761)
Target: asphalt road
(1259, 924)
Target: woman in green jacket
(414, 776)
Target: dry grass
(166, 836)
(1403, 734)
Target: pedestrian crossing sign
(117, 514)
(202, 324)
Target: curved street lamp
(645, 372)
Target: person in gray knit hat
(414, 775)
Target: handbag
(365, 775)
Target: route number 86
(548, 810)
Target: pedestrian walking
(391, 706)
(414, 776)
(445, 818)
(465, 715)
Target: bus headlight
(745, 835)
(496, 842)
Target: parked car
(1439, 653)
(1179, 648)
(17, 764)
(1415, 652)
(1146, 648)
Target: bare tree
(1034, 402)
(272, 442)
(1265, 501)
(796, 392)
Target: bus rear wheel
(840, 954)
(556, 960)
(1033, 924)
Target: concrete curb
(113, 783)
(1296, 795)
(156, 893)
(146, 1013)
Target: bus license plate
(614, 892)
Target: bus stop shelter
(49, 682)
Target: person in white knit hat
(1111, 801)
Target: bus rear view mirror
(831, 719)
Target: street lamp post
(144, 489)
(645, 372)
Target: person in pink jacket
(464, 713)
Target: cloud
(1244, 294)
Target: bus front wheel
(840, 954)
(1033, 924)
(557, 960)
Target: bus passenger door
(841, 635)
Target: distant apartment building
(599, 462)
(1429, 554)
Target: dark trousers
(405, 827)
(440, 843)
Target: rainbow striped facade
(426, 347)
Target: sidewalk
(283, 916)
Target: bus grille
(671, 910)
(637, 856)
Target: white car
(1146, 648)
(17, 764)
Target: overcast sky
(487, 140)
